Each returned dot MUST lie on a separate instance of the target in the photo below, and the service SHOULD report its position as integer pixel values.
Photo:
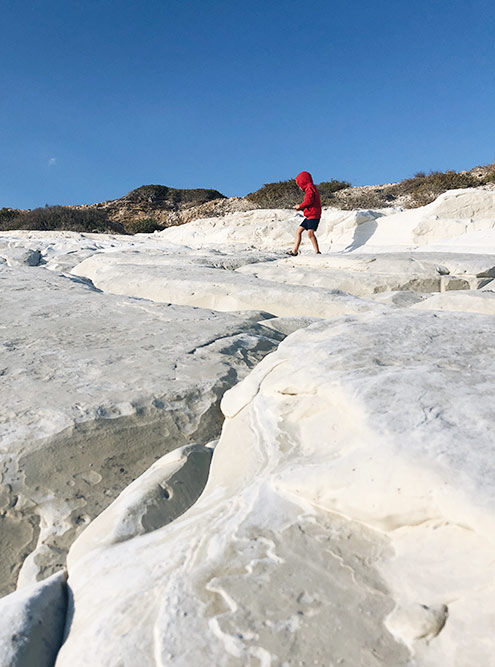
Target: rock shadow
(362, 235)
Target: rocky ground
(243, 458)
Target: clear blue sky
(99, 97)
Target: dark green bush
(143, 226)
(328, 188)
(163, 196)
(7, 214)
(62, 218)
(489, 176)
(283, 194)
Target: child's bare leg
(297, 242)
(314, 241)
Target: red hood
(304, 179)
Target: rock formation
(348, 513)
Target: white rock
(32, 624)
(156, 278)
(95, 388)
(362, 275)
(417, 621)
(157, 497)
(472, 301)
(18, 256)
(353, 475)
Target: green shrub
(7, 214)
(165, 197)
(424, 188)
(328, 188)
(63, 218)
(283, 194)
(143, 226)
(489, 176)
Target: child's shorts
(310, 224)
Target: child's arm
(309, 197)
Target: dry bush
(425, 188)
(327, 189)
(283, 194)
(62, 218)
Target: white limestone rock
(361, 275)
(455, 214)
(153, 276)
(469, 301)
(95, 388)
(262, 229)
(353, 477)
(19, 256)
(157, 497)
(32, 623)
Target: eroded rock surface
(32, 623)
(348, 517)
(349, 514)
(94, 389)
(162, 278)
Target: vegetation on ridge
(155, 207)
(285, 194)
(163, 195)
(65, 218)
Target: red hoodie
(311, 206)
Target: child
(311, 207)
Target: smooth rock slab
(348, 517)
(155, 278)
(95, 388)
(468, 301)
(362, 275)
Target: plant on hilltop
(424, 188)
(285, 194)
(163, 196)
(63, 218)
(490, 175)
(282, 194)
(328, 188)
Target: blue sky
(100, 97)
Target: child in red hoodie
(311, 207)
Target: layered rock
(160, 277)
(348, 517)
(94, 389)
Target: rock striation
(348, 516)
(95, 388)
